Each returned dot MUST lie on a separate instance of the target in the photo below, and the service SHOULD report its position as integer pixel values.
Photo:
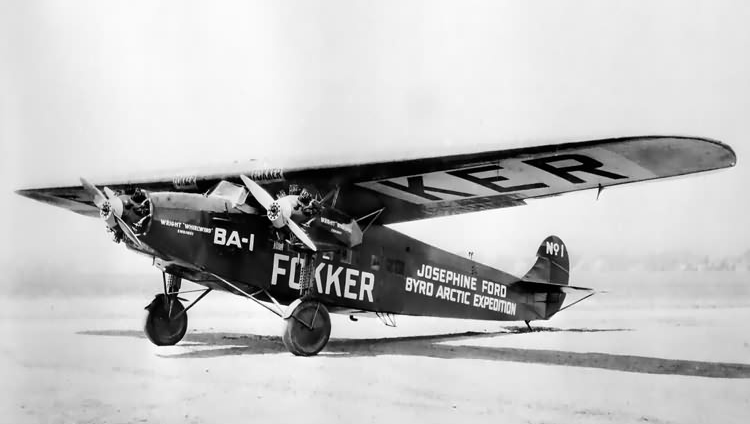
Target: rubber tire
(161, 330)
(301, 340)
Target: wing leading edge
(447, 185)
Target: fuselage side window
(346, 256)
(395, 266)
(375, 262)
(400, 267)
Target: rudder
(552, 263)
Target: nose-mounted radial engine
(125, 215)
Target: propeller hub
(110, 209)
(274, 211)
(106, 210)
(278, 211)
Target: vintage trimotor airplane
(322, 243)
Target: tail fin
(547, 281)
(552, 263)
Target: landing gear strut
(308, 328)
(166, 323)
(308, 325)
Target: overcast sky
(99, 88)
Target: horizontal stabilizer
(538, 287)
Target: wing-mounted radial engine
(332, 228)
(317, 226)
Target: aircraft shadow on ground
(228, 344)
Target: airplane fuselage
(389, 272)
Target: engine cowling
(334, 229)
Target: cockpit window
(228, 191)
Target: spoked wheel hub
(165, 323)
(307, 329)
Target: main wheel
(163, 327)
(307, 329)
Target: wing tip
(727, 148)
(731, 155)
(721, 155)
(44, 196)
(27, 192)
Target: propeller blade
(265, 200)
(302, 235)
(114, 201)
(258, 192)
(128, 231)
(99, 197)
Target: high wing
(421, 188)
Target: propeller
(278, 211)
(99, 197)
(110, 209)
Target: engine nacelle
(334, 229)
